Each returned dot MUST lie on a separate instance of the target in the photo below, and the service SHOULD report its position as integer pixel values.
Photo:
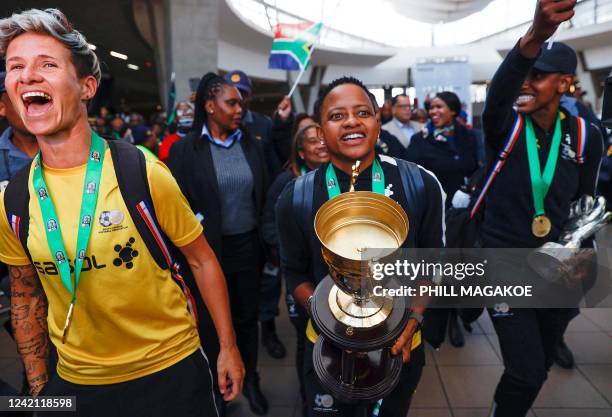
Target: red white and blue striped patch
(14, 223)
(152, 225)
(173, 267)
(515, 132)
(582, 133)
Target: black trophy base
(355, 338)
(375, 374)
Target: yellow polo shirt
(130, 318)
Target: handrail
(587, 12)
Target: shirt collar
(401, 125)
(236, 136)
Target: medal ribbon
(540, 181)
(333, 188)
(88, 208)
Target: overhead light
(134, 67)
(118, 55)
(92, 46)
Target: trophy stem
(348, 367)
(359, 312)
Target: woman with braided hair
(221, 171)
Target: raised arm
(498, 115)
(29, 321)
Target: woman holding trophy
(350, 128)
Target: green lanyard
(540, 181)
(303, 171)
(51, 221)
(333, 188)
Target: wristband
(418, 317)
(308, 305)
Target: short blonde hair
(54, 23)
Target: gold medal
(67, 323)
(540, 226)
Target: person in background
(462, 119)
(118, 128)
(402, 126)
(259, 126)
(17, 148)
(144, 139)
(562, 354)
(386, 112)
(105, 113)
(17, 145)
(444, 146)
(526, 92)
(135, 119)
(307, 153)
(158, 129)
(100, 126)
(184, 121)
(222, 172)
(448, 149)
(387, 144)
(420, 116)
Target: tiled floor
(455, 382)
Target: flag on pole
(292, 45)
(171, 99)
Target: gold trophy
(352, 356)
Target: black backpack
(131, 172)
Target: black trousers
(241, 263)
(396, 404)
(183, 390)
(527, 337)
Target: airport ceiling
(110, 26)
(436, 11)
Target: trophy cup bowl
(352, 358)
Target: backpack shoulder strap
(131, 171)
(414, 187)
(17, 206)
(511, 140)
(413, 184)
(579, 131)
(303, 197)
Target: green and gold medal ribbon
(333, 188)
(540, 181)
(53, 230)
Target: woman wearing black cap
(221, 171)
(528, 204)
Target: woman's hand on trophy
(403, 344)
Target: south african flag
(292, 44)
